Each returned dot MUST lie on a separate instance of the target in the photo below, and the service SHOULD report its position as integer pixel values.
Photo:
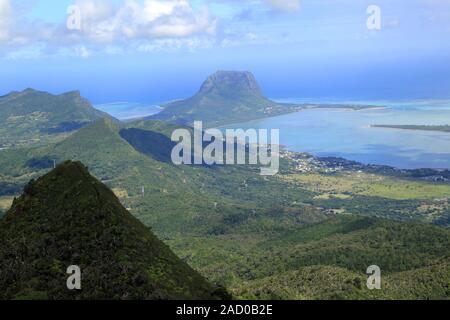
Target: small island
(442, 128)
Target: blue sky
(157, 50)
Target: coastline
(332, 165)
(301, 108)
(429, 128)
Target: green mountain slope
(225, 97)
(182, 194)
(115, 162)
(33, 117)
(355, 243)
(240, 229)
(154, 144)
(67, 217)
(176, 197)
(328, 260)
(330, 283)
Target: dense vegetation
(254, 234)
(69, 218)
(32, 117)
(328, 260)
(145, 141)
(327, 282)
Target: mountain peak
(226, 81)
(42, 112)
(225, 97)
(73, 93)
(29, 90)
(68, 217)
(16, 94)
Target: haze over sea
(128, 110)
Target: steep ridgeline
(68, 218)
(31, 116)
(225, 97)
(176, 197)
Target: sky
(152, 51)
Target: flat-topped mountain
(67, 218)
(225, 97)
(231, 82)
(31, 116)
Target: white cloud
(96, 10)
(232, 40)
(285, 5)
(171, 44)
(5, 19)
(15, 31)
(82, 51)
(106, 26)
(156, 9)
(103, 22)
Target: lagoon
(128, 110)
(348, 134)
